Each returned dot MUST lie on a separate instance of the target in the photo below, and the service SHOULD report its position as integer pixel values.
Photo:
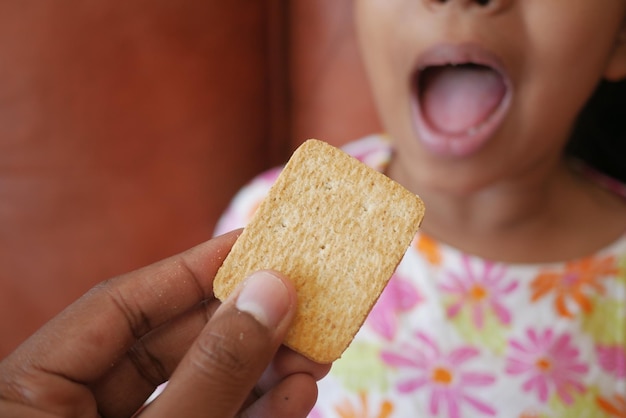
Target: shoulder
(373, 150)
(244, 204)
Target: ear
(616, 67)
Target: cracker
(338, 230)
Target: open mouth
(459, 102)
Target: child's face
(476, 91)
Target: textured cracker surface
(337, 229)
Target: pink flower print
(262, 185)
(270, 175)
(550, 362)
(373, 151)
(398, 296)
(443, 375)
(479, 291)
(315, 413)
(612, 359)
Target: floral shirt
(454, 335)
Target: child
(511, 301)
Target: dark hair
(599, 136)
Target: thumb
(220, 370)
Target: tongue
(456, 99)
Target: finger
(15, 410)
(288, 362)
(154, 358)
(150, 362)
(229, 356)
(100, 327)
(292, 397)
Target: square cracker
(338, 230)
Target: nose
(492, 6)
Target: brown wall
(126, 127)
(330, 98)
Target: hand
(105, 354)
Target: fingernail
(265, 297)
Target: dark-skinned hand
(105, 354)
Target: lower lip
(458, 144)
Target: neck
(529, 218)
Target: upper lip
(458, 54)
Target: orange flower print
(574, 285)
(348, 410)
(428, 247)
(615, 407)
(530, 414)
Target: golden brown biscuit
(337, 229)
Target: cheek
(386, 34)
(372, 23)
(565, 58)
(383, 53)
(574, 46)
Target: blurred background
(127, 126)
